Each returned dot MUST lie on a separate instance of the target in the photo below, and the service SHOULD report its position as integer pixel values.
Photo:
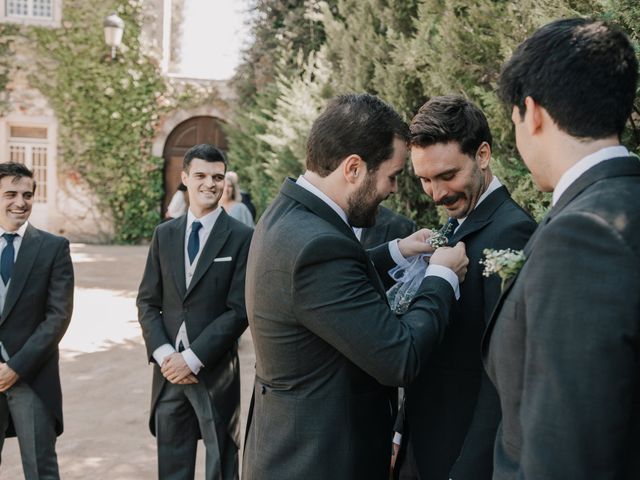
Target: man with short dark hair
(451, 410)
(191, 310)
(326, 341)
(563, 346)
(36, 301)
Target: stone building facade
(64, 204)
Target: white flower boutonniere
(440, 238)
(506, 263)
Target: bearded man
(325, 338)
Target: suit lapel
(24, 263)
(176, 253)
(481, 215)
(217, 238)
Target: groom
(563, 346)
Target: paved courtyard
(105, 376)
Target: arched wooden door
(187, 134)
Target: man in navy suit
(451, 410)
(191, 309)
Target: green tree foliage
(406, 52)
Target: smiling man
(191, 310)
(451, 411)
(326, 340)
(36, 301)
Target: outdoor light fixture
(113, 29)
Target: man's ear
(533, 116)
(184, 176)
(483, 155)
(353, 168)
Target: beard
(362, 205)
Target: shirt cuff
(397, 438)
(397, 257)
(162, 352)
(446, 273)
(192, 360)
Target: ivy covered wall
(109, 113)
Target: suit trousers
(35, 429)
(185, 413)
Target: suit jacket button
(263, 390)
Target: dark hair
(359, 124)
(206, 152)
(18, 170)
(450, 118)
(582, 72)
(182, 187)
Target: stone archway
(190, 132)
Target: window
(30, 145)
(30, 8)
(34, 12)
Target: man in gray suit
(36, 301)
(191, 310)
(563, 346)
(326, 341)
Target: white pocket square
(222, 259)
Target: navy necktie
(7, 258)
(453, 224)
(193, 246)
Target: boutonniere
(440, 238)
(506, 263)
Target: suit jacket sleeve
(333, 296)
(149, 301)
(44, 341)
(581, 359)
(217, 338)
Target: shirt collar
(20, 231)
(307, 185)
(572, 174)
(493, 186)
(207, 220)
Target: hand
(176, 370)
(454, 258)
(415, 243)
(394, 457)
(7, 377)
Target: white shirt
(588, 162)
(163, 351)
(432, 270)
(17, 241)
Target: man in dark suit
(36, 301)
(563, 346)
(451, 410)
(191, 309)
(326, 341)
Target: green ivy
(7, 36)
(108, 111)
